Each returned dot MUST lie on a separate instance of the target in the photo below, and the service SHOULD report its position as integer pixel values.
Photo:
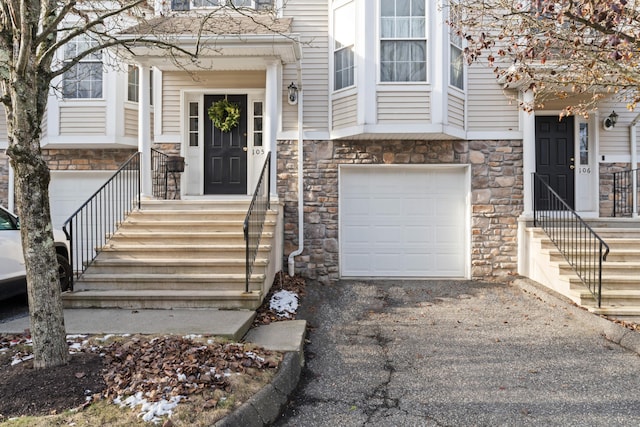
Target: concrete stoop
(181, 254)
(620, 272)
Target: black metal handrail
(88, 228)
(583, 249)
(159, 173)
(254, 221)
(623, 189)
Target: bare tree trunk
(32, 192)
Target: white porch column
(144, 131)
(272, 107)
(528, 120)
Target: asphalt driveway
(460, 353)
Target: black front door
(555, 158)
(225, 153)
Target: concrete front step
(178, 237)
(616, 272)
(171, 266)
(141, 299)
(618, 255)
(624, 313)
(198, 204)
(142, 224)
(620, 274)
(92, 281)
(180, 251)
(613, 298)
(180, 254)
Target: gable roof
(212, 25)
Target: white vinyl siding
(489, 108)
(403, 107)
(311, 21)
(344, 111)
(456, 109)
(615, 142)
(175, 81)
(82, 120)
(130, 122)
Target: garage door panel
(407, 222)
(69, 190)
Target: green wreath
(224, 114)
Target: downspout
(634, 163)
(292, 255)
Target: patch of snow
(16, 360)
(150, 411)
(192, 336)
(252, 355)
(75, 347)
(284, 303)
(73, 337)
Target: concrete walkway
(461, 353)
(232, 324)
(286, 336)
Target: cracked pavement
(457, 353)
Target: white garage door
(68, 190)
(403, 221)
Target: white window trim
(428, 37)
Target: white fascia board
(490, 135)
(291, 135)
(89, 142)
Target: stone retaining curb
(614, 332)
(265, 407)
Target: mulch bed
(26, 391)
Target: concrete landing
(231, 324)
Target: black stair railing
(624, 183)
(159, 175)
(254, 221)
(96, 220)
(583, 249)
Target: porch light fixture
(610, 121)
(293, 94)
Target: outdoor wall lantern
(610, 121)
(293, 94)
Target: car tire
(64, 271)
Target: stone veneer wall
(496, 184)
(606, 188)
(94, 159)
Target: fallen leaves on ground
(169, 366)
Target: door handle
(245, 149)
(572, 167)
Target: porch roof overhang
(218, 43)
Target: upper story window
(456, 58)
(195, 4)
(403, 41)
(133, 84)
(84, 79)
(343, 46)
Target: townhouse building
(402, 160)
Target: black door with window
(555, 158)
(225, 153)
